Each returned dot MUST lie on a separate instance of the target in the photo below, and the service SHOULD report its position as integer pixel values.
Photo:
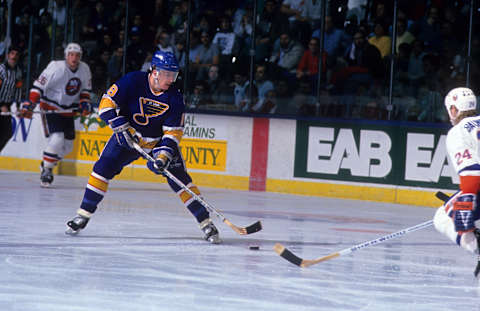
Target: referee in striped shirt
(11, 83)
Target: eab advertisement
(402, 155)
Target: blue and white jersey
(156, 117)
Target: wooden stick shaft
(181, 184)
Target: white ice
(142, 250)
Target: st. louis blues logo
(149, 109)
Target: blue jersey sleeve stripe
(169, 142)
(470, 170)
(108, 115)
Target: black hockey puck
(254, 248)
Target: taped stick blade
(442, 196)
(254, 227)
(288, 255)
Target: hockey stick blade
(303, 263)
(294, 259)
(255, 227)
(288, 255)
(442, 196)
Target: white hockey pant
(444, 224)
(58, 145)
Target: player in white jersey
(62, 85)
(458, 217)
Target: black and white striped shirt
(11, 82)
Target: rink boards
(401, 163)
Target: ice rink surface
(142, 250)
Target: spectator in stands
(176, 18)
(119, 39)
(428, 30)
(217, 87)
(163, 42)
(450, 38)
(137, 25)
(118, 14)
(269, 27)
(452, 67)
(207, 54)
(136, 51)
(313, 13)
(98, 23)
(106, 44)
(268, 104)
(99, 75)
(179, 51)
(401, 82)
(241, 91)
(431, 88)
(381, 40)
(335, 40)
(59, 12)
(263, 86)
(286, 55)
(41, 42)
(156, 16)
(115, 64)
(225, 40)
(228, 45)
(199, 98)
(308, 65)
(243, 31)
(203, 25)
(361, 53)
(381, 12)
(453, 16)
(283, 97)
(303, 100)
(403, 35)
(299, 24)
(415, 66)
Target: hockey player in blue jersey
(143, 107)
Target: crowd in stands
(430, 51)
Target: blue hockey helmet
(165, 61)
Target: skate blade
(214, 240)
(70, 231)
(45, 184)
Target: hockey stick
(255, 227)
(11, 113)
(291, 257)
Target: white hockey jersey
(463, 146)
(60, 87)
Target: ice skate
(46, 176)
(78, 223)
(210, 231)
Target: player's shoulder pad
(56, 64)
(84, 66)
(53, 67)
